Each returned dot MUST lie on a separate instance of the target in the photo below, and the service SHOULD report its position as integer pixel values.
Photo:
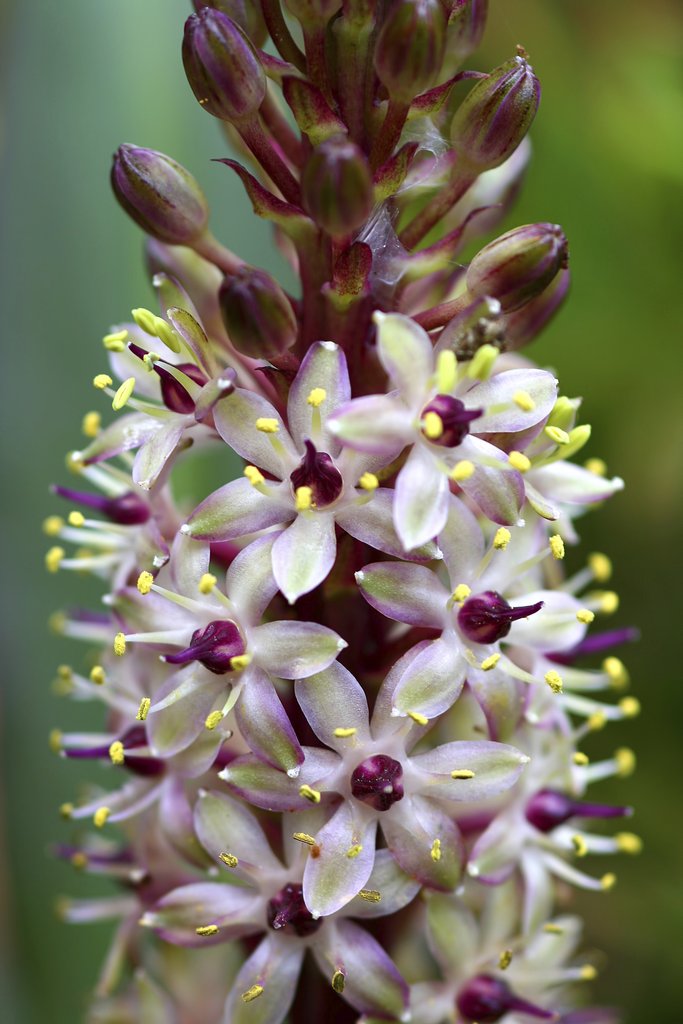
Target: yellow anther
(588, 973)
(239, 662)
(368, 482)
(490, 662)
(608, 881)
(145, 319)
(100, 816)
(502, 538)
(585, 615)
(76, 518)
(123, 394)
(115, 342)
(354, 851)
(102, 381)
(207, 929)
(446, 371)
(626, 761)
(52, 525)
(461, 593)
(481, 364)
(629, 842)
(53, 559)
(254, 475)
(601, 566)
(316, 397)
(78, 860)
(213, 719)
(608, 602)
(524, 401)
(74, 462)
(267, 425)
(462, 773)
(338, 979)
(97, 675)
(616, 670)
(580, 758)
(145, 581)
(554, 680)
(303, 498)
(417, 717)
(553, 929)
(557, 435)
(303, 837)
(462, 471)
(596, 721)
(556, 546)
(149, 359)
(505, 959)
(519, 461)
(630, 706)
(596, 466)
(91, 424)
(54, 741)
(119, 645)
(66, 810)
(308, 793)
(343, 733)
(117, 752)
(371, 895)
(435, 852)
(65, 672)
(432, 425)
(580, 845)
(229, 859)
(207, 582)
(57, 622)
(143, 710)
(165, 333)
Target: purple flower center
(486, 999)
(214, 646)
(134, 737)
(126, 510)
(287, 912)
(487, 617)
(174, 396)
(376, 781)
(550, 807)
(454, 420)
(318, 471)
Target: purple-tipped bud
(159, 194)
(526, 323)
(453, 423)
(222, 66)
(336, 187)
(214, 647)
(487, 617)
(288, 913)
(410, 47)
(486, 999)
(551, 807)
(257, 314)
(466, 24)
(311, 12)
(245, 13)
(317, 471)
(519, 265)
(496, 114)
(377, 782)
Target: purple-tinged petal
(224, 826)
(273, 790)
(565, 482)
(343, 860)
(250, 583)
(331, 700)
(372, 983)
(497, 850)
(498, 392)
(179, 710)
(294, 649)
(407, 593)
(372, 523)
(406, 353)
(123, 435)
(501, 698)
(496, 767)
(425, 842)
(176, 821)
(323, 366)
(235, 510)
(272, 971)
(541, 506)
(127, 801)
(198, 757)
(189, 561)
(383, 722)
(304, 554)
(461, 542)
(376, 424)
(421, 499)
(235, 418)
(432, 681)
(177, 915)
(539, 892)
(554, 628)
(451, 927)
(498, 492)
(155, 453)
(397, 889)
(264, 724)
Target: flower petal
(406, 353)
(397, 889)
(156, 451)
(235, 510)
(421, 499)
(323, 366)
(273, 790)
(451, 927)
(293, 649)
(498, 492)
(304, 554)
(235, 418)
(372, 523)
(189, 561)
(461, 542)
(177, 915)
(274, 967)
(344, 861)
(407, 593)
(553, 628)
(498, 392)
(375, 423)
(250, 583)
(496, 767)
(334, 699)
(412, 828)
(124, 434)
(264, 724)
(372, 983)
(224, 826)
(179, 710)
(567, 483)
(433, 680)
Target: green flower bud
(257, 314)
(222, 66)
(410, 47)
(159, 194)
(246, 13)
(336, 186)
(519, 265)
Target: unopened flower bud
(337, 186)
(257, 314)
(496, 114)
(519, 265)
(466, 25)
(308, 12)
(222, 66)
(410, 47)
(245, 13)
(526, 323)
(159, 194)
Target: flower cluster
(346, 693)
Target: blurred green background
(77, 79)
